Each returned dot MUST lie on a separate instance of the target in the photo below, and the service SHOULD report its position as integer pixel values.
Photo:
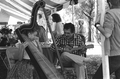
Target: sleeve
(58, 43)
(81, 42)
(53, 46)
(59, 28)
(108, 23)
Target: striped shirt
(74, 41)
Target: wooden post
(105, 60)
(96, 9)
(73, 13)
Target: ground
(94, 51)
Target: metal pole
(53, 38)
(105, 60)
(73, 13)
(72, 3)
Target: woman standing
(58, 26)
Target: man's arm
(81, 44)
(108, 26)
(83, 47)
(58, 43)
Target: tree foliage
(84, 10)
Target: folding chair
(3, 57)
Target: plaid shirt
(76, 40)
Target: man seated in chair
(72, 47)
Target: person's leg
(117, 73)
(78, 60)
(113, 66)
(66, 61)
(80, 71)
(98, 74)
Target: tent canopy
(21, 9)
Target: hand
(67, 49)
(25, 44)
(84, 47)
(36, 38)
(78, 48)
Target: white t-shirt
(59, 28)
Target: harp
(44, 68)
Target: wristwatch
(97, 25)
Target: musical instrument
(42, 65)
(78, 48)
(3, 48)
(54, 42)
(75, 48)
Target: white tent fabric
(4, 16)
(21, 9)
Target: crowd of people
(71, 46)
(7, 38)
(65, 37)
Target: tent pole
(105, 60)
(72, 2)
(73, 13)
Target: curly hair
(56, 17)
(69, 26)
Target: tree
(84, 10)
(87, 8)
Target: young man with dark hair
(72, 47)
(111, 32)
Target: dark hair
(56, 17)
(5, 31)
(69, 26)
(114, 2)
(29, 31)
